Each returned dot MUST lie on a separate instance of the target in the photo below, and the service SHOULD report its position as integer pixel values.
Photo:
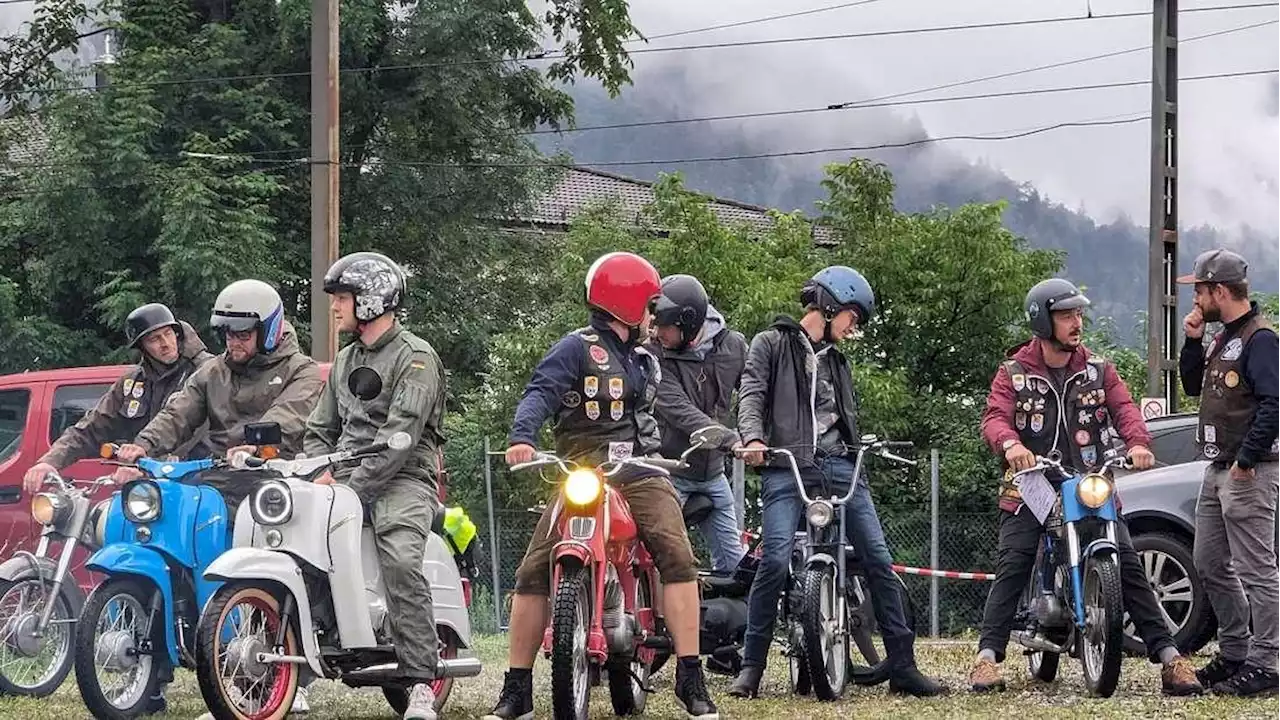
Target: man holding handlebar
(1052, 395)
(797, 393)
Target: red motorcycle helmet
(622, 284)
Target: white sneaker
(300, 705)
(422, 703)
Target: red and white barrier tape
(952, 574)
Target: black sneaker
(747, 684)
(691, 693)
(1251, 681)
(157, 705)
(1218, 669)
(515, 702)
(909, 680)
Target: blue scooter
(139, 623)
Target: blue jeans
(783, 510)
(721, 527)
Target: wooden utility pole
(325, 167)
(1163, 323)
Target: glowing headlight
(1094, 490)
(142, 502)
(49, 508)
(819, 513)
(582, 487)
(272, 504)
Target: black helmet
(143, 320)
(1048, 296)
(683, 304)
(375, 280)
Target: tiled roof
(22, 142)
(581, 187)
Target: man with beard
(171, 351)
(1235, 551)
(1053, 394)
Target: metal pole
(324, 170)
(740, 492)
(1162, 258)
(933, 541)
(493, 540)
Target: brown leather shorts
(659, 518)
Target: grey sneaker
(300, 704)
(422, 703)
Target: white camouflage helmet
(248, 304)
(375, 281)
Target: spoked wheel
(33, 664)
(398, 697)
(241, 622)
(628, 675)
(570, 665)
(1103, 638)
(826, 646)
(119, 651)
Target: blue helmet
(837, 288)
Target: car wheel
(1171, 571)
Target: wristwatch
(1008, 444)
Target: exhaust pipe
(459, 667)
(1037, 643)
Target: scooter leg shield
(126, 559)
(255, 564)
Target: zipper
(1062, 410)
(813, 393)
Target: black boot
(747, 684)
(1250, 681)
(904, 676)
(868, 676)
(692, 695)
(515, 702)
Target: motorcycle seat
(722, 586)
(697, 509)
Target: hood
(786, 323)
(1031, 356)
(287, 348)
(711, 328)
(191, 348)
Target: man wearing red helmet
(600, 385)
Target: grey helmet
(248, 304)
(375, 281)
(1048, 296)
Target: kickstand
(643, 685)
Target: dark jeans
(1019, 539)
(782, 511)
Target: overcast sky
(1228, 129)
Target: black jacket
(775, 403)
(697, 392)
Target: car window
(70, 403)
(1177, 445)
(13, 420)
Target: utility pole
(325, 169)
(1162, 300)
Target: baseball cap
(1216, 266)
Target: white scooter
(302, 586)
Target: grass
(1138, 695)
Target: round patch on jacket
(571, 399)
(599, 354)
(1231, 379)
(1082, 437)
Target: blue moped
(139, 623)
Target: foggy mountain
(1110, 258)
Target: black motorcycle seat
(722, 586)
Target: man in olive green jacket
(387, 381)
(262, 377)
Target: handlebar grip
(664, 463)
(254, 462)
(373, 449)
(900, 445)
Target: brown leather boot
(1178, 677)
(985, 676)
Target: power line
(876, 103)
(550, 54)
(740, 23)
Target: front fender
(26, 566)
(141, 561)
(1101, 545)
(256, 564)
(819, 559)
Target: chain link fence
(966, 542)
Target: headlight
(50, 508)
(142, 502)
(96, 526)
(272, 504)
(819, 513)
(582, 487)
(1094, 490)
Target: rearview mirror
(262, 433)
(399, 441)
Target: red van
(35, 407)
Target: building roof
(581, 187)
(23, 141)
